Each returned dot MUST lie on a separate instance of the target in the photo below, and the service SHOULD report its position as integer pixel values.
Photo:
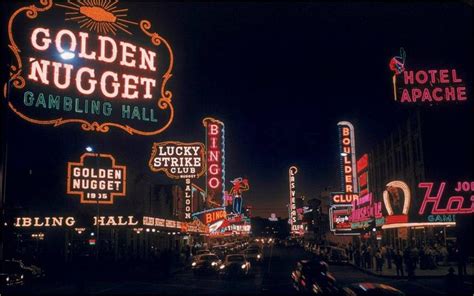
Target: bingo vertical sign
(215, 177)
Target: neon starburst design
(101, 16)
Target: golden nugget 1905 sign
(87, 62)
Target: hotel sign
(88, 64)
(96, 178)
(425, 85)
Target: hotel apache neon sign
(73, 63)
(425, 85)
(96, 178)
(215, 144)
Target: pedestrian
(379, 261)
(389, 257)
(450, 281)
(398, 260)
(461, 262)
(357, 258)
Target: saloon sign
(96, 178)
(89, 64)
(425, 85)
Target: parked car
(206, 263)
(312, 277)
(10, 275)
(235, 265)
(253, 255)
(363, 289)
(31, 272)
(336, 255)
(202, 252)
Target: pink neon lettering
(450, 93)
(455, 77)
(443, 76)
(435, 200)
(408, 77)
(421, 77)
(415, 94)
(461, 93)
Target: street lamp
(91, 149)
(67, 55)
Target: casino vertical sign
(88, 64)
(292, 205)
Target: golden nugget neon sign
(82, 70)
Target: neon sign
(396, 213)
(343, 198)
(215, 143)
(178, 160)
(348, 160)
(210, 216)
(44, 221)
(339, 220)
(455, 203)
(81, 68)
(96, 178)
(430, 85)
(239, 185)
(363, 174)
(365, 210)
(292, 206)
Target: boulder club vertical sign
(215, 176)
(89, 64)
(179, 161)
(96, 178)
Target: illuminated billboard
(88, 64)
(292, 205)
(339, 220)
(363, 174)
(215, 145)
(347, 157)
(179, 161)
(239, 185)
(364, 211)
(425, 85)
(96, 178)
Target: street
(272, 277)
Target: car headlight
(243, 266)
(8, 279)
(21, 276)
(222, 266)
(258, 256)
(316, 288)
(214, 263)
(193, 264)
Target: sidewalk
(440, 271)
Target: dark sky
(282, 75)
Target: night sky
(280, 76)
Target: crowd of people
(423, 256)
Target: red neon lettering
(421, 77)
(214, 183)
(426, 95)
(443, 76)
(461, 92)
(455, 77)
(436, 97)
(435, 200)
(345, 131)
(213, 129)
(405, 96)
(450, 93)
(408, 77)
(415, 94)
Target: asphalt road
(271, 277)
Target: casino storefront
(402, 217)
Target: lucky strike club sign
(425, 85)
(88, 63)
(178, 160)
(96, 178)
